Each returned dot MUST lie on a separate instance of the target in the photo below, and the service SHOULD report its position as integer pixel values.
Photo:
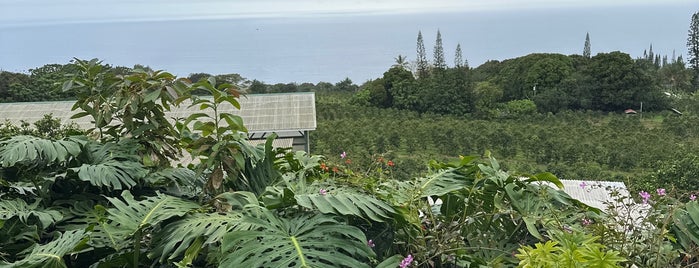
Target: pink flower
(586, 222)
(583, 184)
(343, 155)
(370, 243)
(645, 195)
(692, 197)
(660, 191)
(323, 192)
(407, 261)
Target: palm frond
(302, 241)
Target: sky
(32, 12)
(325, 40)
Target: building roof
(261, 113)
(596, 194)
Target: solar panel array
(260, 112)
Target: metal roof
(612, 197)
(260, 112)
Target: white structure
(291, 115)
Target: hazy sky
(325, 40)
(33, 12)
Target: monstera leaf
(25, 212)
(182, 234)
(111, 166)
(51, 255)
(347, 202)
(302, 241)
(30, 150)
(441, 182)
(129, 215)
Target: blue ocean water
(330, 48)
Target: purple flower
(370, 243)
(645, 195)
(343, 155)
(407, 261)
(583, 184)
(586, 222)
(323, 192)
(692, 197)
(660, 191)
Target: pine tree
(587, 52)
(439, 62)
(651, 56)
(422, 65)
(693, 42)
(458, 57)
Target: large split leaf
(32, 150)
(129, 215)
(347, 203)
(110, 165)
(180, 235)
(302, 241)
(25, 212)
(51, 254)
(441, 183)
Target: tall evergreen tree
(422, 65)
(587, 51)
(439, 62)
(458, 57)
(693, 42)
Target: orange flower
(336, 170)
(390, 163)
(348, 161)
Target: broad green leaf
(129, 215)
(391, 262)
(51, 254)
(441, 183)
(113, 165)
(19, 208)
(178, 236)
(151, 96)
(301, 241)
(112, 173)
(545, 177)
(32, 150)
(347, 203)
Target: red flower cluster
(390, 163)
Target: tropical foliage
(119, 195)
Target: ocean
(331, 48)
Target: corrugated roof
(595, 193)
(612, 197)
(260, 112)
